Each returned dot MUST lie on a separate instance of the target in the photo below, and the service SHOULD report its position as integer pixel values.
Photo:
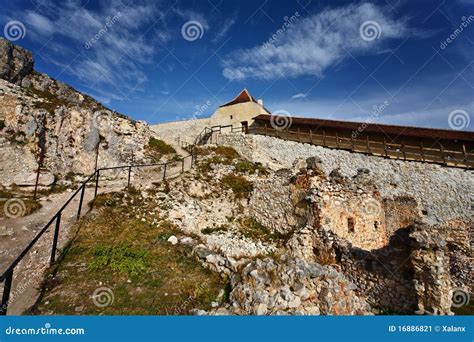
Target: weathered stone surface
(15, 62)
(293, 286)
(67, 127)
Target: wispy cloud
(106, 47)
(224, 29)
(315, 43)
(298, 96)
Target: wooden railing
(429, 154)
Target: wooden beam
(422, 151)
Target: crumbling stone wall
(424, 247)
(352, 208)
(431, 266)
(276, 205)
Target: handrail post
(80, 201)
(96, 183)
(164, 171)
(55, 238)
(129, 175)
(7, 287)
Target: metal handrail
(7, 276)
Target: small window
(376, 224)
(350, 224)
(231, 117)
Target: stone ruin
(396, 260)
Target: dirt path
(29, 273)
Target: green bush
(239, 185)
(159, 146)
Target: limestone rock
(15, 62)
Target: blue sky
(384, 61)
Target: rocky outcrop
(293, 286)
(15, 62)
(44, 121)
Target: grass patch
(251, 228)
(239, 185)
(212, 230)
(245, 166)
(55, 188)
(160, 146)
(123, 259)
(157, 148)
(146, 274)
(50, 101)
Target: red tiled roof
(380, 128)
(244, 96)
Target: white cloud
(39, 22)
(314, 43)
(113, 32)
(224, 29)
(298, 96)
